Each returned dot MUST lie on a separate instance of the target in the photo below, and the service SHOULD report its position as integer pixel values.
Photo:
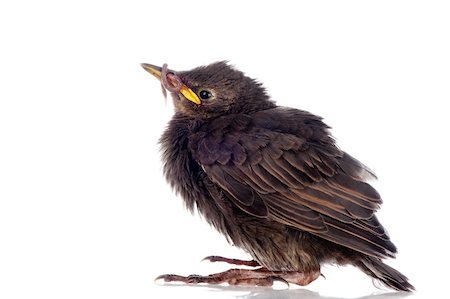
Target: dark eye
(204, 94)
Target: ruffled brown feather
(297, 177)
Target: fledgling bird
(271, 179)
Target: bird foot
(256, 277)
(215, 258)
(247, 277)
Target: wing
(302, 181)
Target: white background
(84, 209)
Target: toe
(170, 278)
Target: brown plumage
(270, 179)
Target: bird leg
(257, 277)
(300, 278)
(215, 258)
(248, 277)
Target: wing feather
(304, 182)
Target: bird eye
(204, 94)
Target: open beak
(184, 90)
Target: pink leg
(253, 277)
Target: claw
(210, 258)
(280, 279)
(163, 277)
(170, 278)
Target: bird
(271, 179)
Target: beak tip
(152, 69)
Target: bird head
(211, 90)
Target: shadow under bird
(271, 179)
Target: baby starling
(271, 179)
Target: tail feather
(387, 275)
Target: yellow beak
(185, 91)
